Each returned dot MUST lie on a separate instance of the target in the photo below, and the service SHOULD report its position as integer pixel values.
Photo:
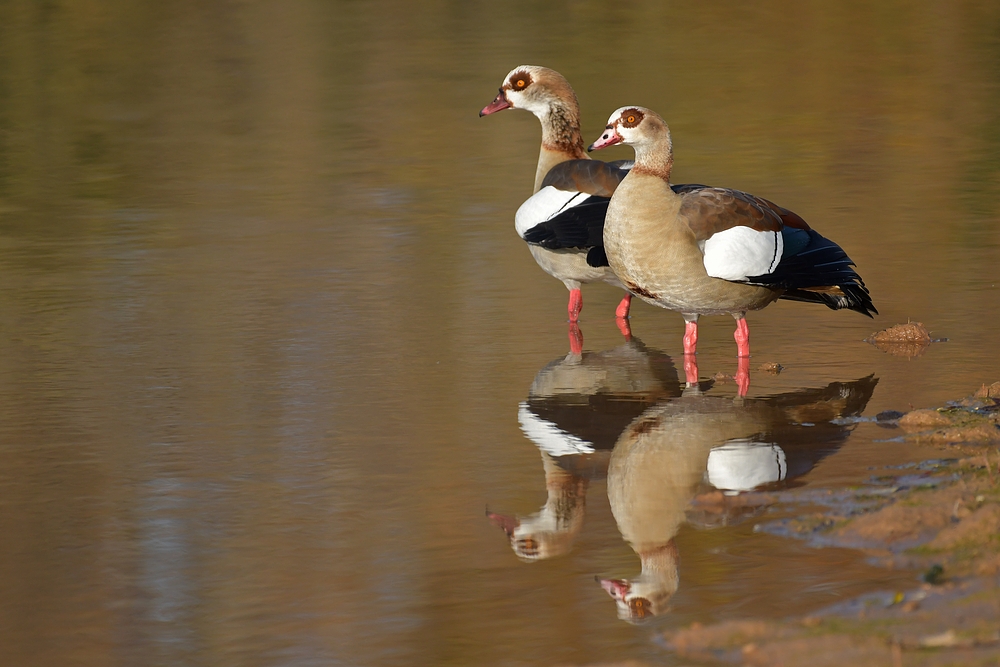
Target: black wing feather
(818, 263)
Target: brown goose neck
(561, 129)
(655, 159)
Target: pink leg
(623, 307)
(624, 327)
(575, 305)
(690, 337)
(742, 336)
(575, 339)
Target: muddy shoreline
(941, 518)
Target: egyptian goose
(713, 251)
(576, 408)
(563, 220)
(670, 451)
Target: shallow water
(266, 329)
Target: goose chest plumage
(712, 251)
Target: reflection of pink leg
(742, 376)
(575, 339)
(622, 309)
(624, 327)
(690, 369)
(575, 305)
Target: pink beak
(616, 588)
(609, 138)
(499, 103)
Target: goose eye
(519, 80)
(631, 117)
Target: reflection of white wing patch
(545, 205)
(740, 252)
(549, 437)
(741, 465)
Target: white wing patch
(549, 437)
(545, 205)
(741, 465)
(741, 252)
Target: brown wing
(712, 210)
(592, 177)
(789, 218)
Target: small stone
(946, 638)
(991, 391)
(935, 575)
(911, 332)
(903, 340)
(920, 420)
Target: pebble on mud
(903, 340)
(920, 420)
(972, 419)
(991, 391)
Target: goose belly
(702, 295)
(570, 265)
(666, 268)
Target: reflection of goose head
(672, 448)
(648, 594)
(576, 408)
(550, 531)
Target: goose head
(645, 131)
(535, 89)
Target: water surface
(266, 329)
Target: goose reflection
(669, 451)
(577, 407)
